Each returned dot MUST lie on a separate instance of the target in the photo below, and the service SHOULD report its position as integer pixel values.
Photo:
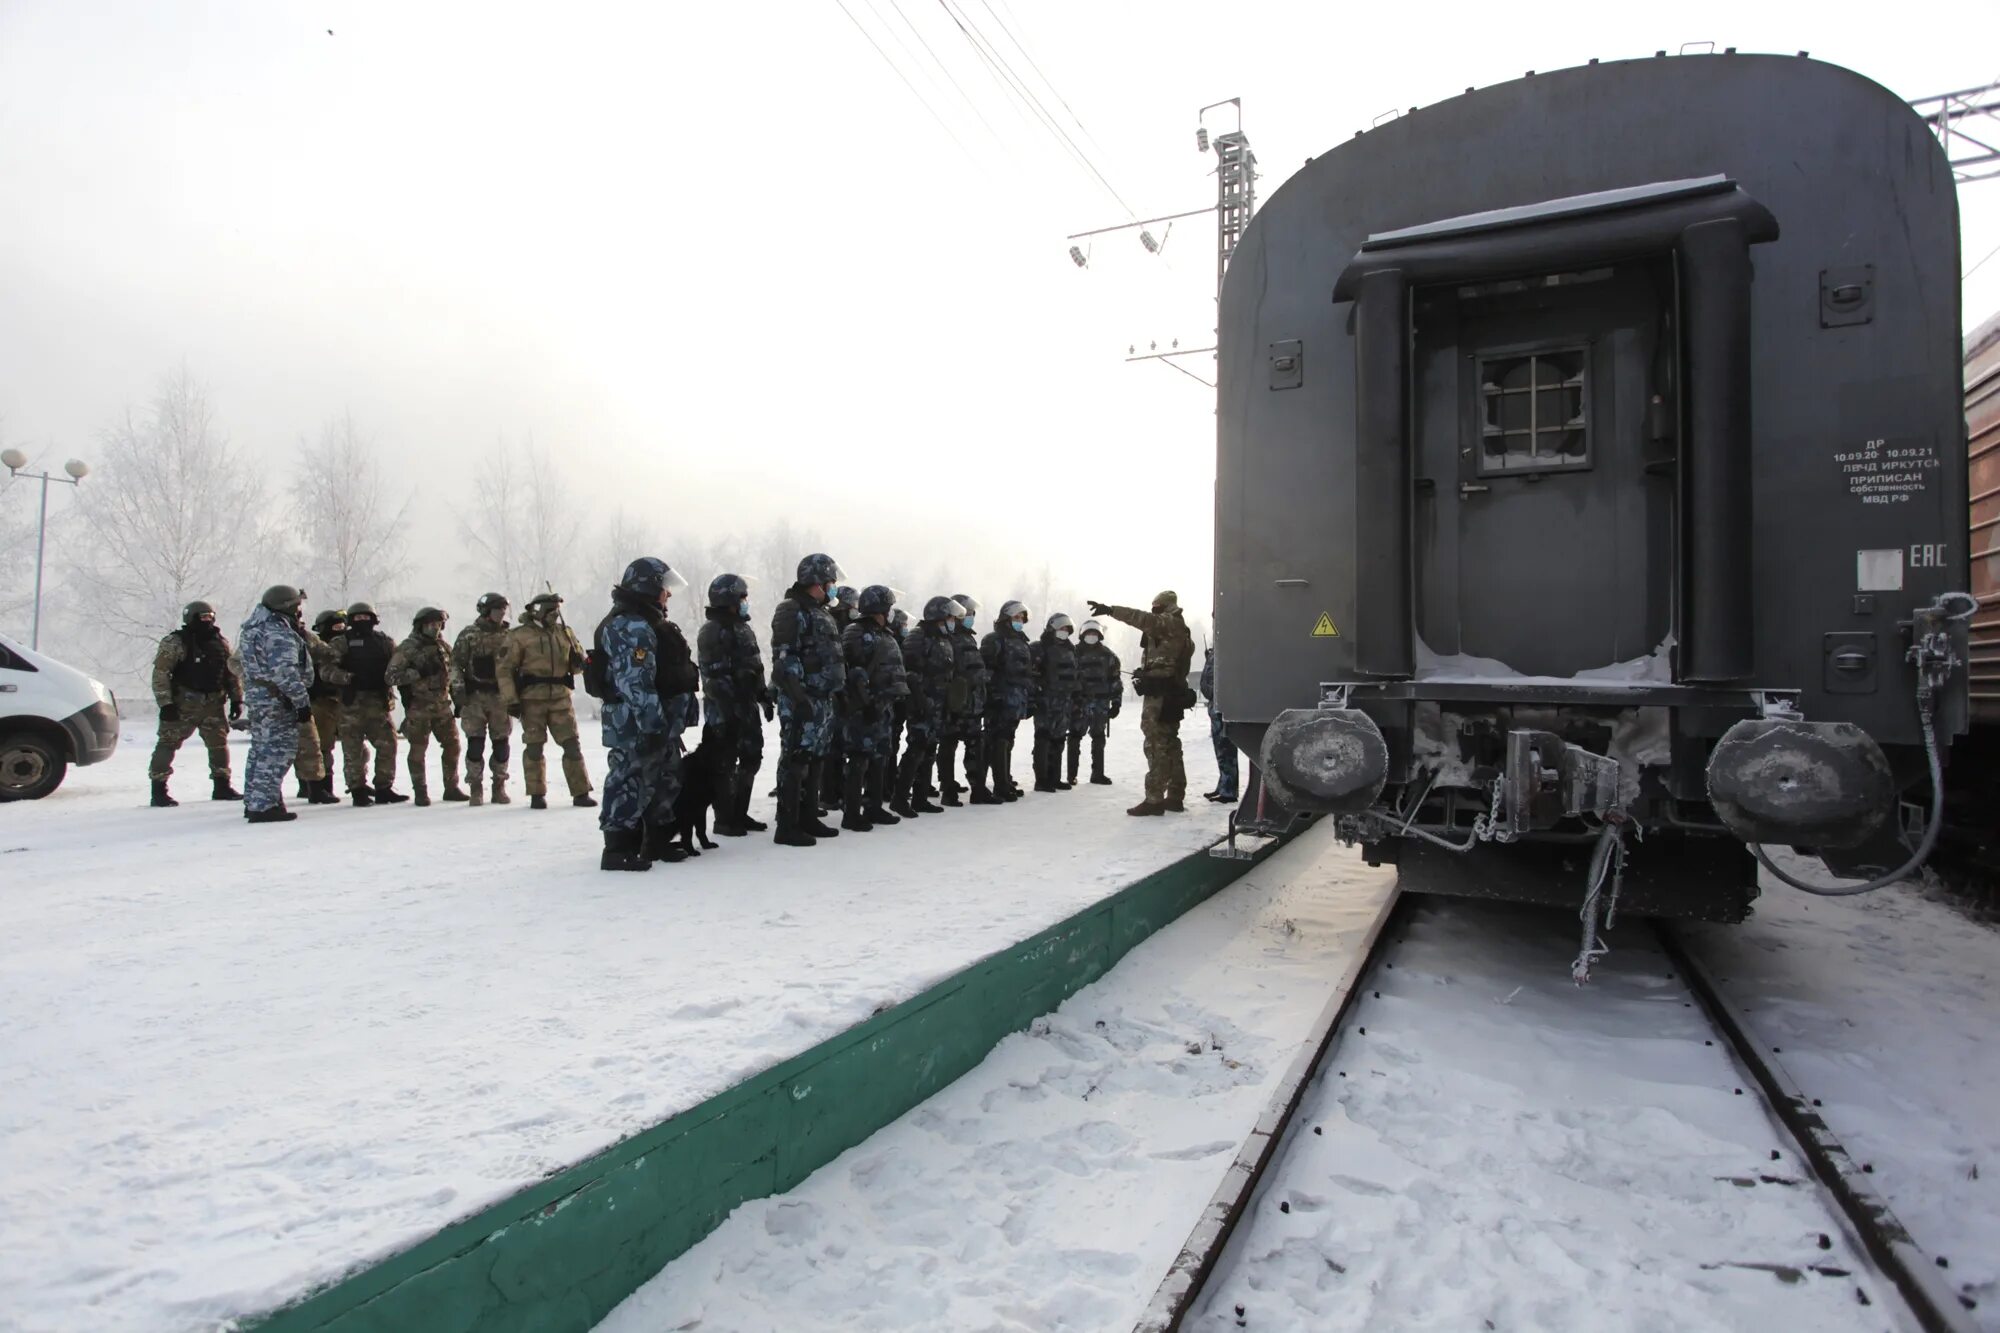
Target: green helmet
(326, 620)
(492, 601)
(283, 597)
(425, 614)
(194, 611)
(362, 609)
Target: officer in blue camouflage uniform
(649, 690)
(965, 711)
(1053, 659)
(899, 625)
(844, 603)
(1010, 697)
(807, 671)
(1226, 775)
(929, 652)
(734, 693)
(277, 670)
(1100, 686)
(875, 685)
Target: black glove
(235, 709)
(769, 706)
(1115, 706)
(1096, 608)
(513, 710)
(305, 713)
(170, 712)
(457, 708)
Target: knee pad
(501, 749)
(475, 748)
(533, 749)
(571, 748)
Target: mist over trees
(174, 510)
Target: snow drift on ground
(1497, 1149)
(244, 1060)
(1050, 1187)
(1886, 1007)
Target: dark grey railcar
(1601, 416)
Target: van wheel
(30, 767)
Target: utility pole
(1235, 202)
(15, 460)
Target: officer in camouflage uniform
(195, 683)
(650, 680)
(1010, 693)
(420, 670)
(1165, 651)
(929, 669)
(318, 737)
(363, 652)
(875, 685)
(736, 702)
(277, 669)
(965, 711)
(1100, 694)
(476, 699)
(844, 603)
(1053, 660)
(537, 677)
(310, 758)
(807, 671)
(1225, 751)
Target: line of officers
(341, 679)
(874, 711)
(872, 707)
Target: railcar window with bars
(1534, 412)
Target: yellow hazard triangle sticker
(1324, 628)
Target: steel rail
(1938, 1309)
(1175, 1297)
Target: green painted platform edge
(562, 1253)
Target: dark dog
(696, 800)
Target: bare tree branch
(350, 532)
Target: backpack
(597, 669)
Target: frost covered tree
(523, 528)
(171, 513)
(348, 526)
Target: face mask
(1062, 633)
(965, 621)
(1022, 627)
(1092, 639)
(743, 609)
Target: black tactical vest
(367, 660)
(204, 663)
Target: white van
(51, 716)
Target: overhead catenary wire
(1046, 81)
(1010, 81)
(914, 92)
(942, 67)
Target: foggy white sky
(718, 258)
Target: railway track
(1932, 1304)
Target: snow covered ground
(242, 1060)
(1490, 1147)
(1050, 1187)
(1887, 1008)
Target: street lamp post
(77, 470)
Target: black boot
(361, 797)
(906, 777)
(1075, 754)
(725, 826)
(277, 814)
(621, 851)
(743, 804)
(877, 794)
(321, 793)
(387, 795)
(791, 829)
(947, 771)
(851, 817)
(160, 798)
(1097, 762)
(1044, 765)
(305, 788)
(811, 818)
